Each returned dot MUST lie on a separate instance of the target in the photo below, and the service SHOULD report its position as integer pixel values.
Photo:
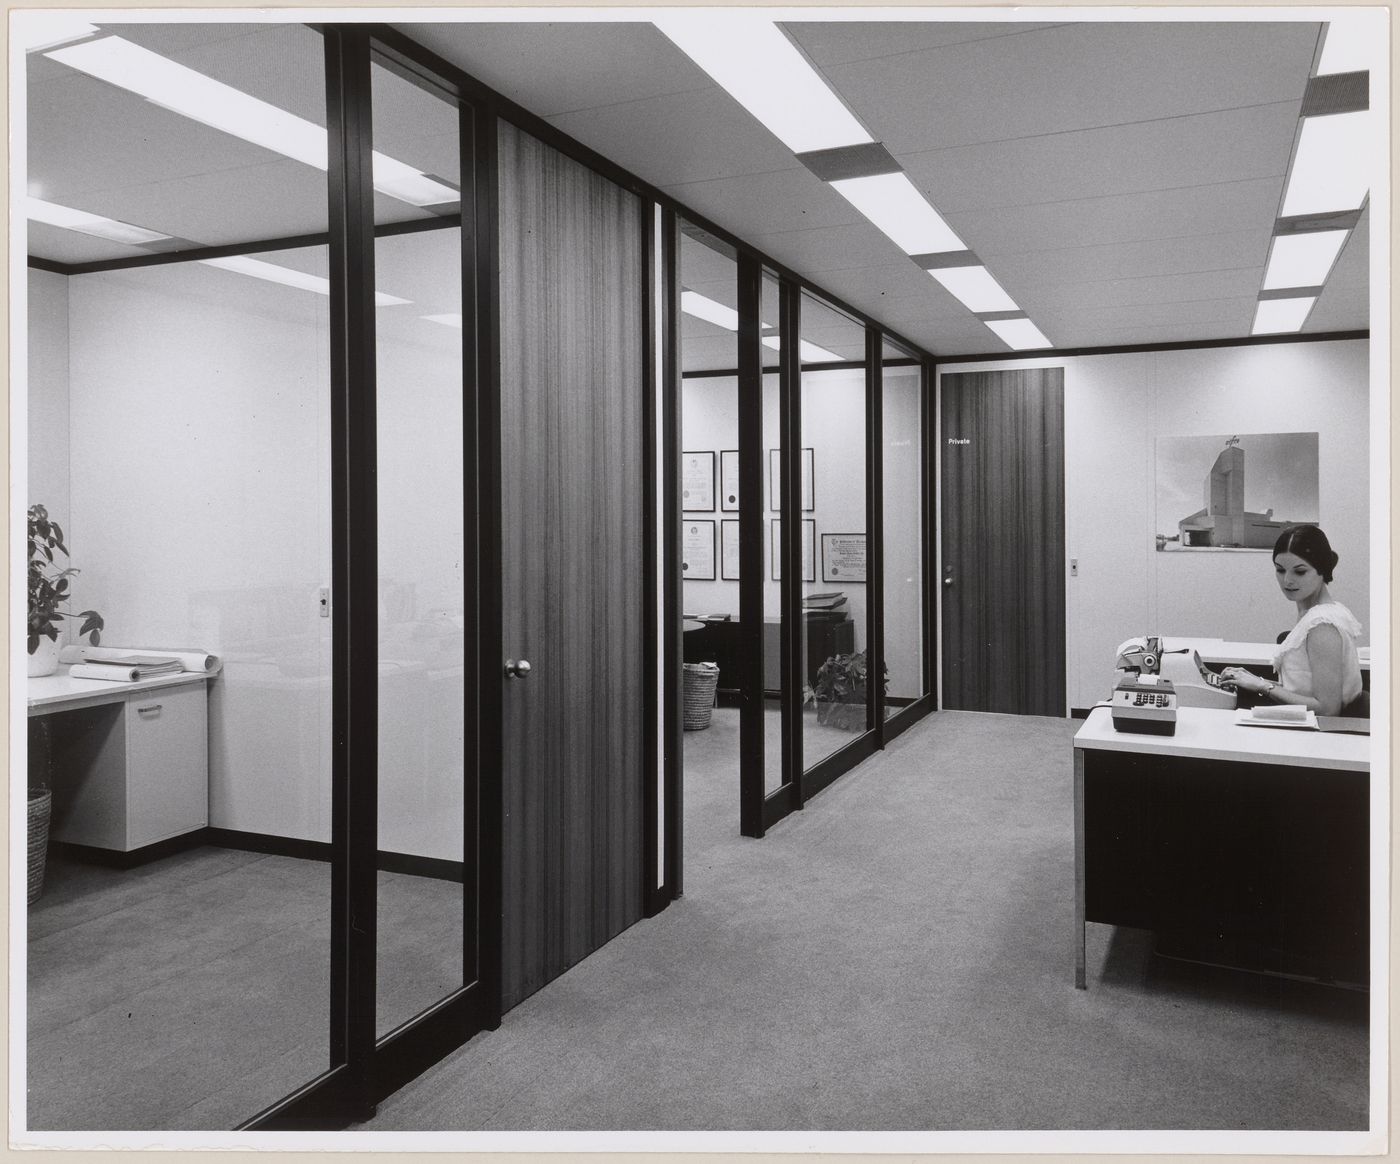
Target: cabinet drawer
(167, 764)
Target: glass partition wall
(904, 506)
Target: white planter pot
(44, 660)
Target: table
(1243, 846)
(129, 761)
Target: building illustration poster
(1234, 491)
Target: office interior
(502, 373)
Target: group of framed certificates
(843, 554)
(698, 481)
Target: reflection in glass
(422, 607)
(834, 584)
(903, 529)
(774, 515)
(212, 381)
(709, 343)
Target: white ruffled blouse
(1291, 657)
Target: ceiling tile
(1172, 256)
(1069, 321)
(839, 42)
(1119, 218)
(1209, 148)
(1165, 291)
(555, 68)
(754, 204)
(1073, 77)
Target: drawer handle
(150, 709)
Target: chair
(1358, 708)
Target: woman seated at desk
(1316, 662)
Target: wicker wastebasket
(40, 805)
(701, 679)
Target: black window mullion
(794, 623)
(354, 558)
(875, 530)
(928, 377)
(751, 534)
(673, 650)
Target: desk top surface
(1208, 734)
(61, 692)
(1242, 654)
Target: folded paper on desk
(127, 670)
(1291, 716)
(189, 660)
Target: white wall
(1116, 406)
(201, 492)
(833, 425)
(48, 398)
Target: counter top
(1209, 734)
(61, 692)
(1240, 654)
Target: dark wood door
(1003, 581)
(572, 456)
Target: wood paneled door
(1003, 580)
(573, 436)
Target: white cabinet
(131, 773)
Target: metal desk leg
(1079, 979)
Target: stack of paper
(127, 668)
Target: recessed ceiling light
(975, 288)
(1276, 315)
(1331, 167)
(39, 31)
(809, 352)
(893, 204)
(191, 94)
(756, 64)
(37, 210)
(258, 269)
(693, 303)
(451, 319)
(1019, 334)
(1303, 260)
(1347, 48)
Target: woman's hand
(1245, 680)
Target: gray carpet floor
(898, 956)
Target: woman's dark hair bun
(1309, 543)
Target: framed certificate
(775, 480)
(843, 557)
(728, 550)
(698, 550)
(698, 482)
(729, 480)
(775, 549)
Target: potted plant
(48, 594)
(841, 690)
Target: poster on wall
(698, 550)
(775, 480)
(729, 551)
(843, 557)
(775, 549)
(698, 482)
(1233, 491)
(729, 480)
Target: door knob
(517, 669)
(948, 580)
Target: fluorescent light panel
(1347, 48)
(1019, 334)
(1331, 167)
(272, 273)
(96, 225)
(1276, 315)
(974, 288)
(893, 204)
(693, 303)
(451, 319)
(1303, 260)
(809, 352)
(191, 94)
(756, 64)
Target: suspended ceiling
(1119, 179)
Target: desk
(1224, 653)
(1240, 845)
(130, 761)
(718, 642)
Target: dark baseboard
(115, 859)
(408, 863)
